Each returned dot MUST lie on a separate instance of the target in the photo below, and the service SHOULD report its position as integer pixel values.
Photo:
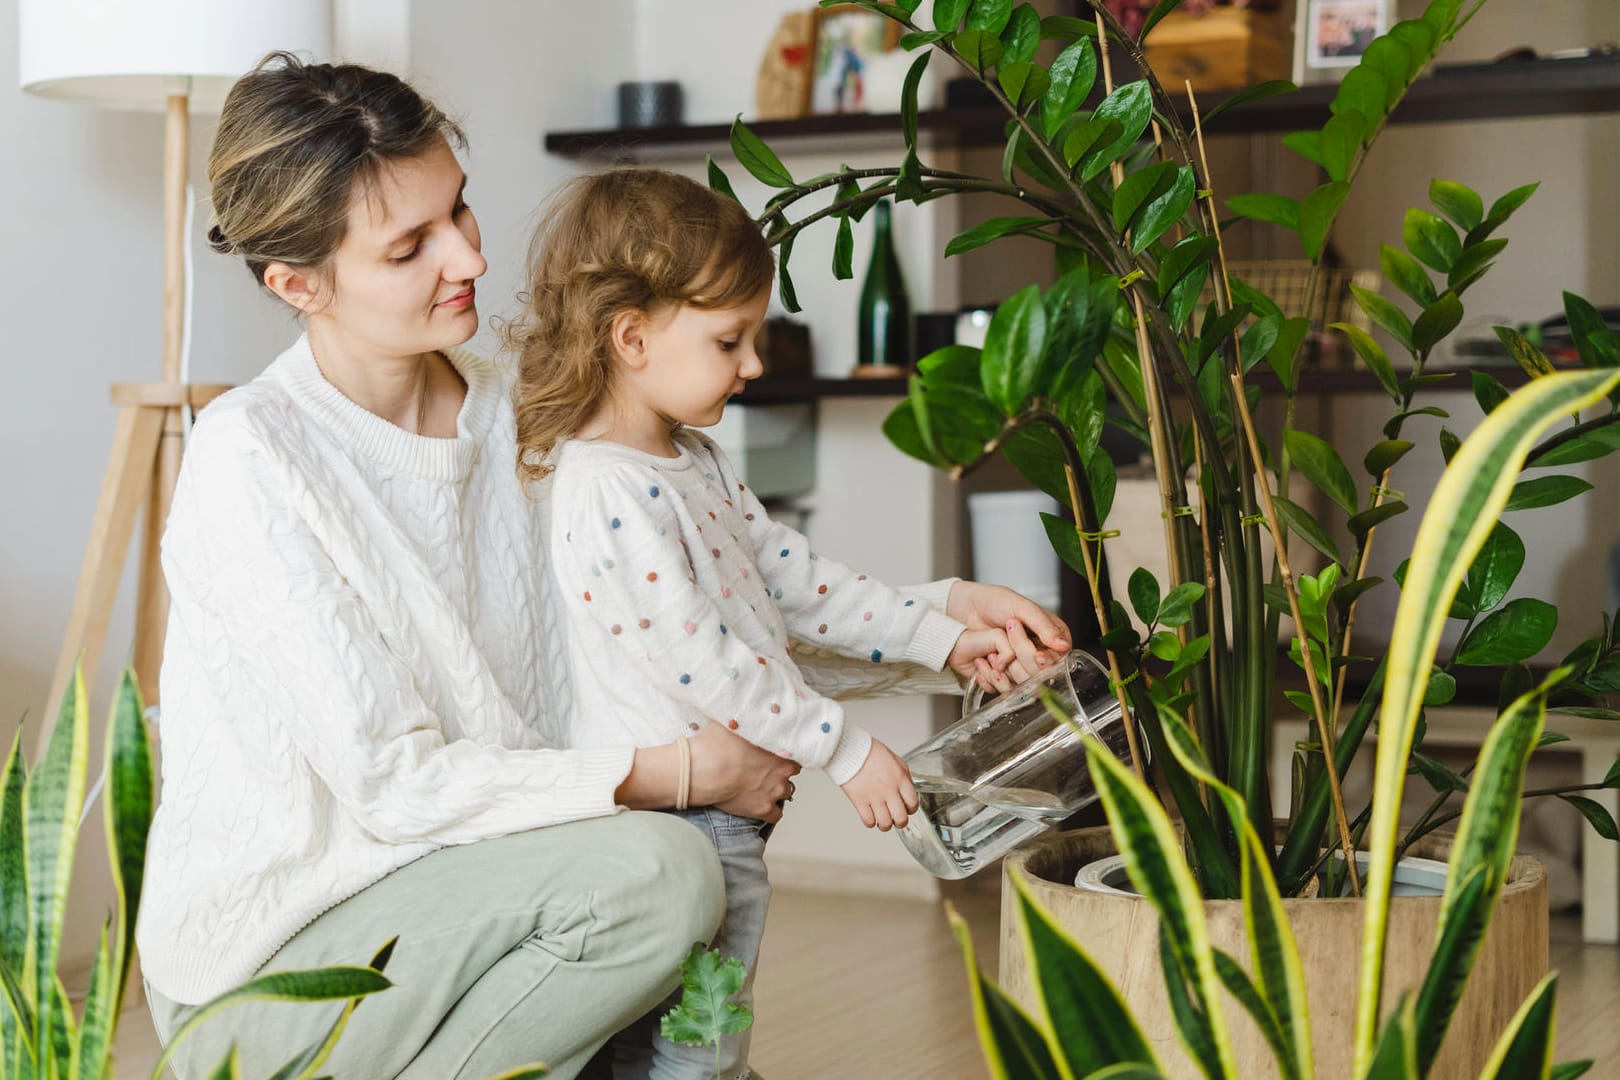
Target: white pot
(1413, 876)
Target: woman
(362, 682)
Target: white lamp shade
(133, 54)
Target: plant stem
(1325, 732)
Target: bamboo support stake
(1324, 730)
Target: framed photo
(847, 40)
(1337, 32)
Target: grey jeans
(534, 947)
(640, 1052)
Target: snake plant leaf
(1021, 38)
(1192, 1021)
(523, 1072)
(1396, 1058)
(13, 871)
(127, 808)
(1571, 1070)
(1013, 348)
(1518, 631)
(53, 798)
(1526, 1047)
(1461, 514)
(1273, 950)
(1152, 854)
(1126, 1070)
(1470, 902)
(90, 1051)
(1088, 1024)
(306, 1064)
(1131, 106)
(315, 984)
(229, 1068)
(908, 98)
(1242, 989)
(760, 160)
(1073, 74)
(18, 1016)
(1014, 1048)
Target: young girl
(684, 599)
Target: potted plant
(1128, 337)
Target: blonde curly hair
(631, 239)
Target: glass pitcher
(1009, 769)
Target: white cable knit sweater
(363, 664)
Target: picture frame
(1333, 34)
(847, 38)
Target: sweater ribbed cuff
(931, 645)
(849, 755)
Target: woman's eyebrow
(417, 230)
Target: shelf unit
(1471, 92)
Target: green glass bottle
(883, 337)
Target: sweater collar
(376, 440)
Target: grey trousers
(535, 947)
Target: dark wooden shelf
(769, 391)
(1473, 92)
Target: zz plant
(1146, 331)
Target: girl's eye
(727, 346)
(460, 206)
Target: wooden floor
(851, 988)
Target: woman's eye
(407, 257)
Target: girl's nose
(751, 367)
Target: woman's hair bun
(219, 241)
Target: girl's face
(697, 358)
(401, 282)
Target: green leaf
(1073, 74)
(1284, 354)
(1488, 390)
(1090, 1026)
(1472, 264)
(1342, 136)
(308, 1063)
(994, 229)
(1596, 813)
(1022, 36)
(908, 98)
(844, 251)
(1023, 83)
(1591, 333)
(1596, 443)
(1571, 1070)
(317, 984)
(1238, 984)
(1437, 320)
(1494, 569)
(1276, 209)
(989, 15)
(13, 871)
(718, 181)
(1258, 92)
(1501, 210)
(1067, 28)
(1306, 527)
(706, 1014)
(1461, 204)
(1431, 239)
(1183, 299)
(948, 14)
(1372, 354)
(1442, 691)
(1160, 10)
(1321, 464)
(784, 283)
(1520, 630)
(979, 49)
(1545, 491)
(1137, 189)
(1013, 348)
(1144, 593)
(1131, 105)
(1258, 340)
(919, 38)
(1089, 138)
(1177, 608)
(1396, 1056)
(1065, 541)
(760, 161)
(1163, 210)
(1360, 525)
(1407, 275)
(1180, 260)
(1014, 1047)
(1362, 90)
(1383, 456)
(1307, 144)
(1316, 216)
(1526, 1047)
(1527, 356)
(1384, 314)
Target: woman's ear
(300, 288)
(628, 334)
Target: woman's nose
(466, 261)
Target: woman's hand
(728, 772)
(989, 607)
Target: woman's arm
(727, 771)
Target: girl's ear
(628, 335)
(300, 288)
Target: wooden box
(1227, 48)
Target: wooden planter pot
(1121, 933)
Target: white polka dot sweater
(684, 600)
(364, 663)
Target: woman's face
(401, 283)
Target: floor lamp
(180, 57)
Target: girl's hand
(882, 792)
(978, 652)
(732, 774)
(984, 607)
